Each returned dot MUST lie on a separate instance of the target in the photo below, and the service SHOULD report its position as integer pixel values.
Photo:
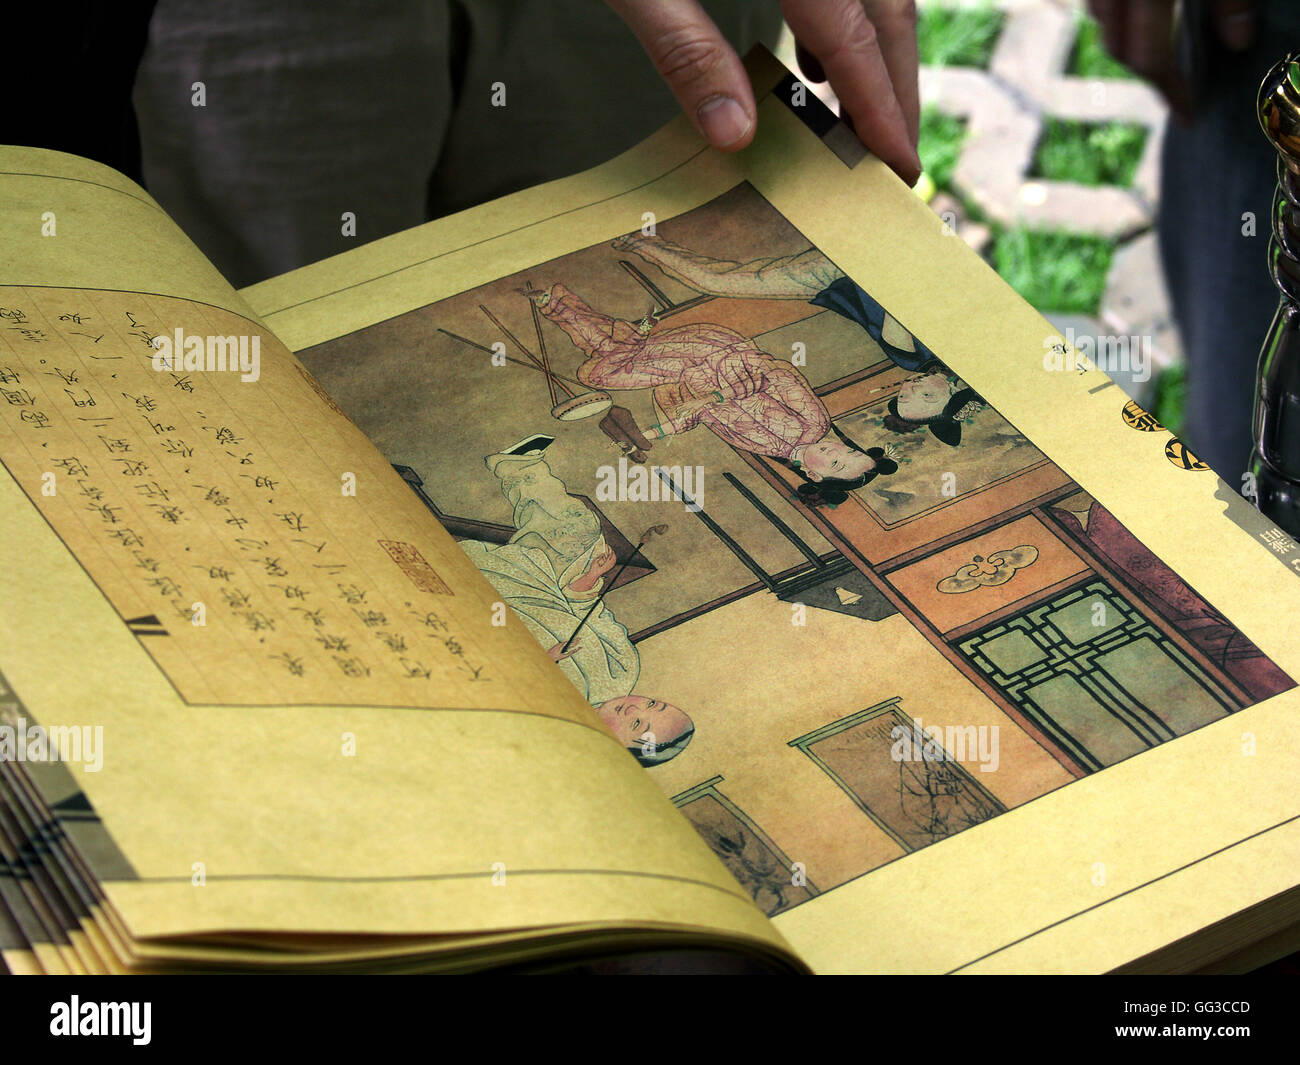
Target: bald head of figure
(654, 731)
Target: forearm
(659, 432)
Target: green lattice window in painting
(1100, 679)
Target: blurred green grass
(957, 37)
(1052, 269)
(1089, 153)
(940, 146)
(1089, 58)
(1170, 406)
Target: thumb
(700, 67)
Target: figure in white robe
(550, 574)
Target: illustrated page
(302, 709)
(888, 583)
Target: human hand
(601, 563)
(541, 297)
(1140, 34)
(866, 49)
(635, 241)
(558, 654)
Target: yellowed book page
(1018, 694)
(291, 701)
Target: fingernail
(723, 121)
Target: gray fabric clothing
(384, 109)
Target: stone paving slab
(1136, 302)
(1102, 100)
(1005, 108)
(1033, 48)
(1100, 211)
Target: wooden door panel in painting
(976, 578)
(1163, 593)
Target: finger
(700, 67)
(1149, 39)
(848, 47)
(1149, 34)
(1234, 22)
(895, 21)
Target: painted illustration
(713, 376)
(754, 515)
(775, 882)
(550, 573)
(805, 275)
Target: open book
(703, 552)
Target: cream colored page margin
(1020, 892)
(402, 838)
